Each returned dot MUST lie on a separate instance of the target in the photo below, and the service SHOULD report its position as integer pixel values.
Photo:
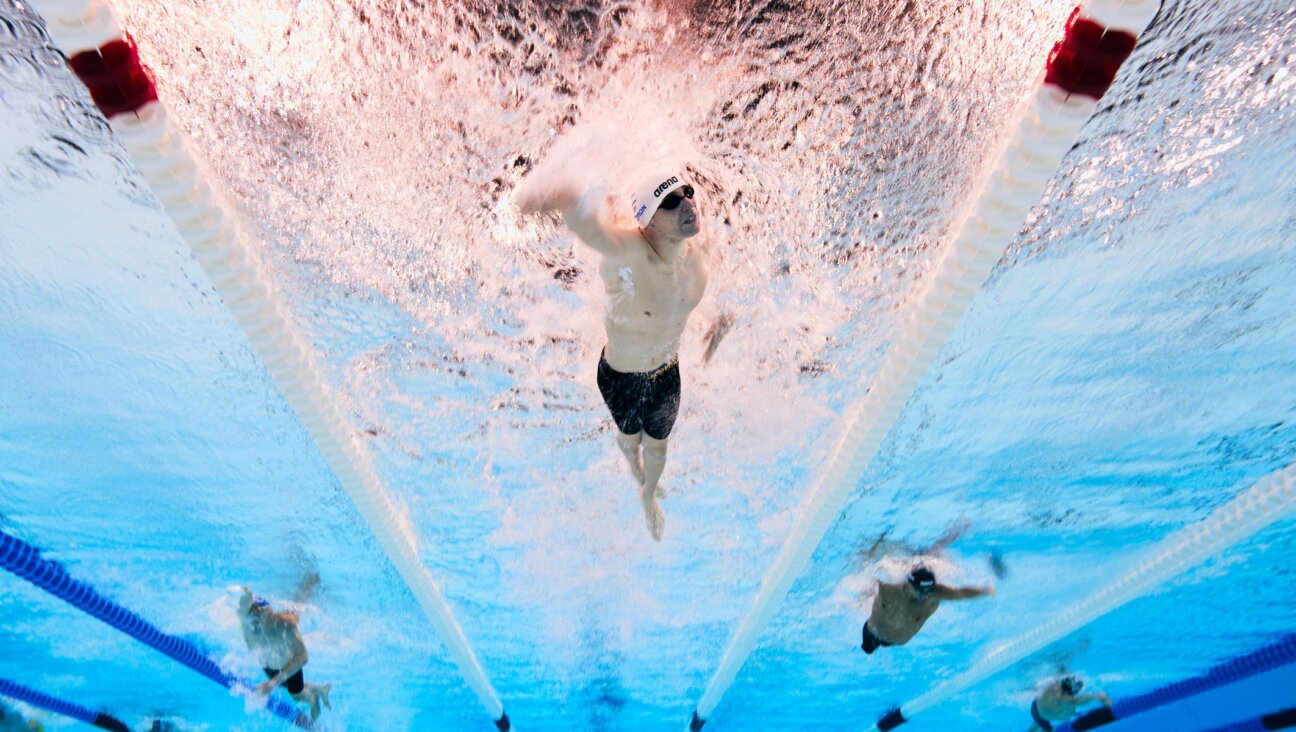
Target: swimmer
(654, 279)
(1058, 702)
(900, 610)
(280, 650)
(11, 720)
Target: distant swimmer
(12, 720)
(900, 610)
(1059, 700)
(654, 279)
(280, 650)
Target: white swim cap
(648, 196)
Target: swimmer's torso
(649, 303)
(1055, 706)
(897, 615)
(274, 643)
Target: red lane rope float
(1086, 60)
(115, 76)
(1098, 37)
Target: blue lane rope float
(58, 706)
(107, 61)
(1270, 657)
(25, 561)
(1098, 38)
(1266, 501)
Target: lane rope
(107, 62)
(1267, 500)
(102, 720)
(25, 561)
(1099, 36)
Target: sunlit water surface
(1127, 368)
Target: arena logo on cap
(664, 185)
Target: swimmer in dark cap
(900, 610)
(1058, 702)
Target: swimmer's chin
(691, 229)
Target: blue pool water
(1129, 366)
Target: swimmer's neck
(667, 248)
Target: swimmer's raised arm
(532, 199)
(584, 214)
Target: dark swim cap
(922, 579)
(1071, 685)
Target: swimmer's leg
(654, 457)
(629, 445)
(308, 696)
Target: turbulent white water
(370, 151)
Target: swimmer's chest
(660, 292)
(909, 611)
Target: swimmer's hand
(265, 687)
(716, 333)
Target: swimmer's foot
(323, 693)
(653, 513)
(315, 706)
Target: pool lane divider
(1269, 499)
(35, 698)
(1272, 656)
(106, 61)
(1285, 719)
(1099, 36)
(25, 561)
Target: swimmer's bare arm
(298, 659)
(943, 592)
(245, 605)
(1086, 698)
(582, 214)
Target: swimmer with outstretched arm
(1058, 702)
(281, 651)
(654, 279)
(901, 610)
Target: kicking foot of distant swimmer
(653, 514)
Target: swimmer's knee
(654, 445)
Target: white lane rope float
(1267, 500)
(1099, 36)
(106, 61)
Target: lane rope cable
(1267, 500)
(25, 561)
(1099, 36)
(35, 698)
(105, 59)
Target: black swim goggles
(677, 196)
